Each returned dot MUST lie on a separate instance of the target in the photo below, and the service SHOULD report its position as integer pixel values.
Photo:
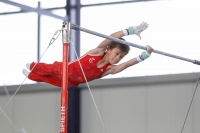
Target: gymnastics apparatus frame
(66, 28)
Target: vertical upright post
(38, 34)
(64, 91)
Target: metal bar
(64, 91)
(38, 35)
(23, 11)
(73, 11)
(74, 17)
(79, 6)
(77, 27)
(31, 9)
(119, 2)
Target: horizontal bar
(86, 5)
(114, 3)
(31, 9)
(77, 27)
(23, 11)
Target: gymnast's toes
(25, 72)
(28, 66)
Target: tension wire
(71, 42)
(197, 83)
(55, 36)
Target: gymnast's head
(117, 51)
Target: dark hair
(123, 47)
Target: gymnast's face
(115, 55)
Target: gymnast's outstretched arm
(101, 48)
(129, 31)
(118, 68)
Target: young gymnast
(96, 63)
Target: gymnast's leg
(54, 69)
(45, 78)
(49, 73)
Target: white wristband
(125, 31)
(139, 58)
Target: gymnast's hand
(138, 29)
(149, 49)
